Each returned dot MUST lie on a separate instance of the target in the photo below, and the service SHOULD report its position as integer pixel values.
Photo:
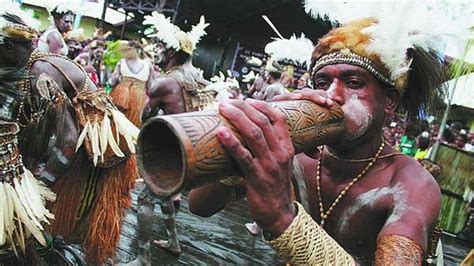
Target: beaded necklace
(324, 215)
(362, 160)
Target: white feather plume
(296, 49)
(344, 10)
(198, 31)
(249, 77)
(401, 25)
(165, 30)
(221, 83)
(23, 211)
(407, 25)
(64, 6)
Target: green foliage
(112, 55)
(460, 67)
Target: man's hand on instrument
(266, 163)
(319, 97)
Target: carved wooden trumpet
(182, 151)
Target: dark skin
(54, 40)
(165, 93)
(257, 88)
(62, 152)
(387, 200)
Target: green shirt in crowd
(408, 146)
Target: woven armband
(305, 242)
(397, 250)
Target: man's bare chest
(357, 218)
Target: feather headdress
(400, 43)
(62, 7)
(17, 23)
(295, 50)
(172, 35)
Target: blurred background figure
(304, 81)
(408, 141)
(52, 40)
(131, 77)
(423, 145)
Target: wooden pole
(123, 26)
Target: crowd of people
(81, 104)
(417, 139)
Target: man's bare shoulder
(54, 35)
(164, 85)
(408, 170)
(58, 71)
(42, 67)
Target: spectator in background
(399, 132)
(423, 146)
(470, 145)
(131, 78)
(286, 78)
(52, 40)
(408, 141)
(460, 141)
(456, 127)
(274, 84)
(258, 87)
(424, 126)
(303, 81)
(84, 60)
(448, 137)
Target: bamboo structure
(456, 177)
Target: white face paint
(357, 117)
(160, 57)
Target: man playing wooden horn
(366, 203)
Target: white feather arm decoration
(296, 49)
(249, 77)
(23, 211)
(221, 82)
